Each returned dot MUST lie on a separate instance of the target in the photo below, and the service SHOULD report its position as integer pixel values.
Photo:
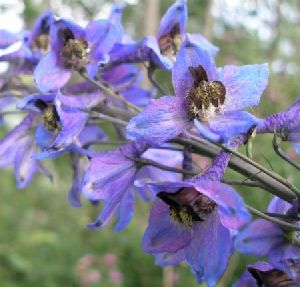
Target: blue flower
(213, 98)
(75, 48)
(264, 238)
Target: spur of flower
(286, 124)
(212, 98)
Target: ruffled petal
(49, 76)
(161, 120)
(209, 252)
(244, 85)
(258, 238)
(190, 55)
(162, 233)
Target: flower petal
(161, 120)
(244, 85)
(258, 238)
(209, 252)
(190, 55)
(49, 76)
(166, 258)
(201, 41)
(162, 233)
(175, 15)
(231, 207)
(277, 205)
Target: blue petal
(190, 55)
(244, 85)
(201, 41)
(162, 233)
(161, 120)
(209, 252)
(206, 132)
(166, 259)
(49, 76)
(125, 211)
(258, 238)
(175, 15)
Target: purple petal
(244, 85)
(30, 102)
(175, 15)
(49, 76)
(166, 259)
(91, 134)
(258, 238)
(201, 41)
(125, 211)
(190, 55)
(205, 132)
(209, 252)
(161, 120)
(102, 36)
(7, 38)
(138, 96)
(162, 233)
(277, 205)
(231, 124)
(282, 252)
(231, 207)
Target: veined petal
(231, 124)
(49, 76)
(231, 207)
(175, 15)
(244, 85)
(258, 238)
(125, 211)
(190, 55)
(209, 252)
(162, 233)
(161, 120)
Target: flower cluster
(88, 94)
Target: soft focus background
(44, 242)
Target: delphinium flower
(265, 238)
(193, 219)
(75, 48)
(286, 124)
(35, 43)
(160, 51)
(264, 274)
(110, 178)
(17, 148)
(213, 98)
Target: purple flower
(264, 274)
(75, 48)
(264, 238)
(161, 50)
(35, 43)
(286, 124)
(212, 98)
(17, 148)
(192, 221)
(111, 176)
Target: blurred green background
(44, 242)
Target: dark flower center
(51, 119)
(205, 98)
(170, 43)
(188, 206)
(41, 44)
(74, 51)
(271, 278)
